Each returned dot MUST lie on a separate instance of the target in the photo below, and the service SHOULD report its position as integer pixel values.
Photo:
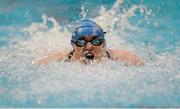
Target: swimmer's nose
(89, 46)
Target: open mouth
(89, 55)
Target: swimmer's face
(89, 48)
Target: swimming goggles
(95, 42)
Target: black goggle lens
(81, 42)
(97, 42)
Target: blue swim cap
(87, 28)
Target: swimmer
(88, 45)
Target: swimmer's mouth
(88, 55)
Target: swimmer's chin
(87, 61)
(90, 61)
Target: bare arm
(56, 55)
(126, 56)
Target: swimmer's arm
(127, 57)
(57, 55)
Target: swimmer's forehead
(89, 37)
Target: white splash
(107, 84)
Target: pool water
(30, 29)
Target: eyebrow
(91, 37)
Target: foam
(107, 84)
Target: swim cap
(87, 28)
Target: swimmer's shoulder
(54, 55)
(125, 55)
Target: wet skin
(91, 53)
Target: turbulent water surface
(30, 29)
